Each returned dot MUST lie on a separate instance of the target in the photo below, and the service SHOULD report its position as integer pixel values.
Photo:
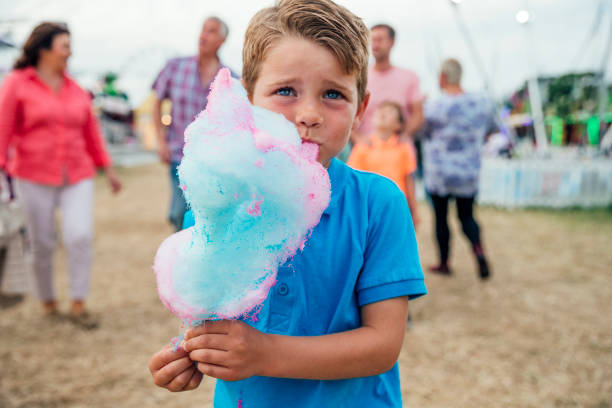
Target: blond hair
(321, 21)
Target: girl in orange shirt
(386, 155)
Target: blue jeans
(178, 205)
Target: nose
(309, 115)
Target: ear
(361, 108)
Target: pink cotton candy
(256, 192)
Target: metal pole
(535, 99)
(480, 66)
(472, 47)
(603, 91)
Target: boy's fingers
(207, 341)
(208, 356)
(169, 372)
(214, 371)
(165, 356)
(209, 327)
(180, 382)
(195, 381)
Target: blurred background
(561, 45)
(536, 335)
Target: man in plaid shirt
(186, 83)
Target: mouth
(309, 143)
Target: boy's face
(386, 119)
(306, 83)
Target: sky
(136, 37)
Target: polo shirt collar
(338, 174)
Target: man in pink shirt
(390, 83)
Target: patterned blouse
(455, 129)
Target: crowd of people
(370, 116)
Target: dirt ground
(539, 334)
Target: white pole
(603, 91)
(535, 99)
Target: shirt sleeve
(161, 85)
(94, 140)
(188, 219)
(9, 116)
(391, 265)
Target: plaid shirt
(180, 82)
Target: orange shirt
(390, 158)
(47, 137)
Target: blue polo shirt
(362, 251)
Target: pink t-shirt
(397, 85)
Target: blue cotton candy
(256, 191)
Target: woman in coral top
(51, 144)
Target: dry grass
(538, 335)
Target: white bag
(16, 268)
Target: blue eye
(284, 91)
(331, 94)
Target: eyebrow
(282, 82)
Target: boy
(386, 155)
(332, 327)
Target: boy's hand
(230, 350)
(174, 370)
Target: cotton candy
(256, 192)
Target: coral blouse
(48, 137)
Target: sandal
(84, 321)
(54, 316)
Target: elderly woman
(455, 128)
(51, 144)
